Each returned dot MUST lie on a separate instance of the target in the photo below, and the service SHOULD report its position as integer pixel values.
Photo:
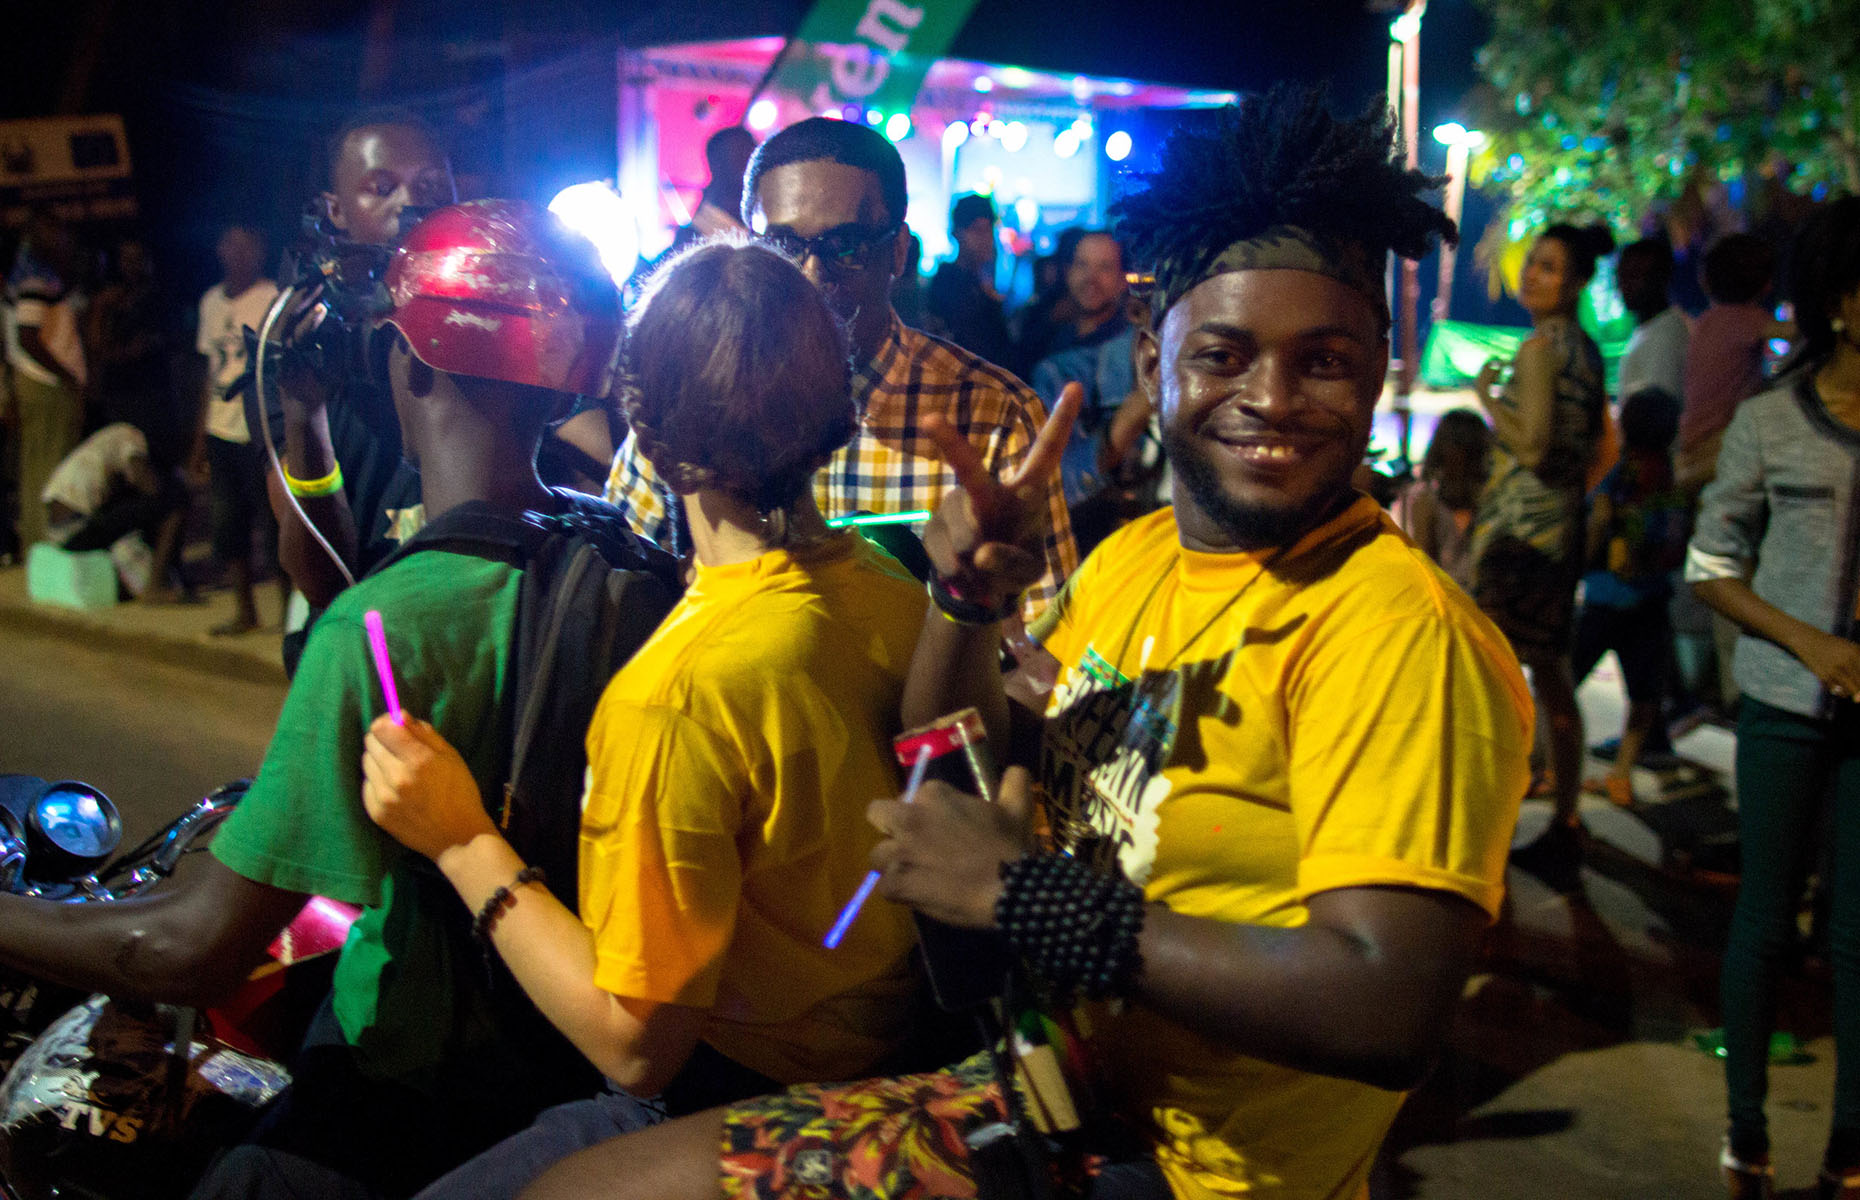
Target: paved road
(1570, 1072)
(154, 737)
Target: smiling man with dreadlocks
(1282, 762)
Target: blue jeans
(504, 1170)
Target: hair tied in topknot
(1278, 159)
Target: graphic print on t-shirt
(1106, 744)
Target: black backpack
(592, 593)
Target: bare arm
(191, 941)
(1420, 518)
(1522, 418)
(309, 453)
(32, 341)
(419, 790)
(985, 541)
(1127, 427)
(1834, 660)
(1363, 990)
(1726, 542)
(1601, 515)
(591, 433)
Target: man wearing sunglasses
(831, 194)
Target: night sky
(226, 103)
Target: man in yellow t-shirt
(1284, 754)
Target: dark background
(227, 105)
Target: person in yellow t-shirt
(1281, 764)
(730, 760)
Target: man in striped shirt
(832, 195)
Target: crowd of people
(1727, 463)
(1264, 750)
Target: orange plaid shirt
(890, 465)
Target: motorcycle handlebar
(133, 872)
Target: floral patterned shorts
(878, 1139)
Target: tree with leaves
(1607, 109)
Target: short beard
(1251, 526)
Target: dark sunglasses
(843, 249)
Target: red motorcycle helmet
(501, 289)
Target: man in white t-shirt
(235, 461)
(104, 494)
(1656, 352)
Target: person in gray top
(1777, 550)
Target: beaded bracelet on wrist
(1076, 929)
(964, 611)
(501, 899)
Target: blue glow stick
(851, 912)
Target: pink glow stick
(377, 641)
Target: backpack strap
(591, 595)
(480, 529)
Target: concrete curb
(174, 634)
(182, 651)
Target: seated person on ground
(107, 490)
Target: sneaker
(1554, 857)
(1746, 1180)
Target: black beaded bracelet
(968, 612)
(501, 899)
(1076, 929)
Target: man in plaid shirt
(831, 194)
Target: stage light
(1013, 137)
(1027, 212)
(898, 127)
(955, 134)
(1117, 146)
(997, 128)
(984, 84)
(596, 212)
(874, 117)
(1066, 143)
(763, 115)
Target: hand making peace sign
(984, 539)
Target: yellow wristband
(305, 489)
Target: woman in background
(1527, 537)
(1775, 550)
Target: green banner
(1457, 349)
(869, 53)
